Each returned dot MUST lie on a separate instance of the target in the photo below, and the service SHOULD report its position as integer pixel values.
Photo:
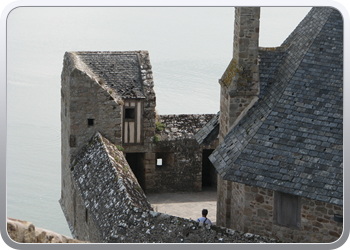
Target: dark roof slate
(209, 132)
(120, 71)
(291, 139)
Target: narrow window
(90, 122)
(86, 215)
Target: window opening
(86, 215)
(129, 113)
(159, 162)
(164, 160)
(91, 122)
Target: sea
(189, 47)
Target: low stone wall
(180, 127)
(153, 227)
(157, 228)
(25, 232)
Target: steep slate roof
(120, 71)
(209, 132)
(115, 192)
(291, 140)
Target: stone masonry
(278, 151)
(182, 155)
(111, 93)
(83, 95)
(112, 208)
(240, 82)
(317, 218)
(239, 88)
(280, 166)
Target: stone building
(112, 93)
(277, 139)
(280, 157)
(111, 207)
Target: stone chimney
(240, 82)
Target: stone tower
(239, 89)
(111, 93)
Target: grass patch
(160, 126)
(156, 138)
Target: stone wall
(83, 97)
(181, 154)
(86, 95)
(237, 205)
(223, 212)
(317, 218)
(182, 166)
(153, 227)
(25, 232)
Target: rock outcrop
(25, 232)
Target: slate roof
(109, 197)
(291, 140)
(209, 132)
(120, 71)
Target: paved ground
(185, 204)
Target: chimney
(240, 82)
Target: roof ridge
(315, 12)
(83, 67)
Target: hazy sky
(172, 31)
